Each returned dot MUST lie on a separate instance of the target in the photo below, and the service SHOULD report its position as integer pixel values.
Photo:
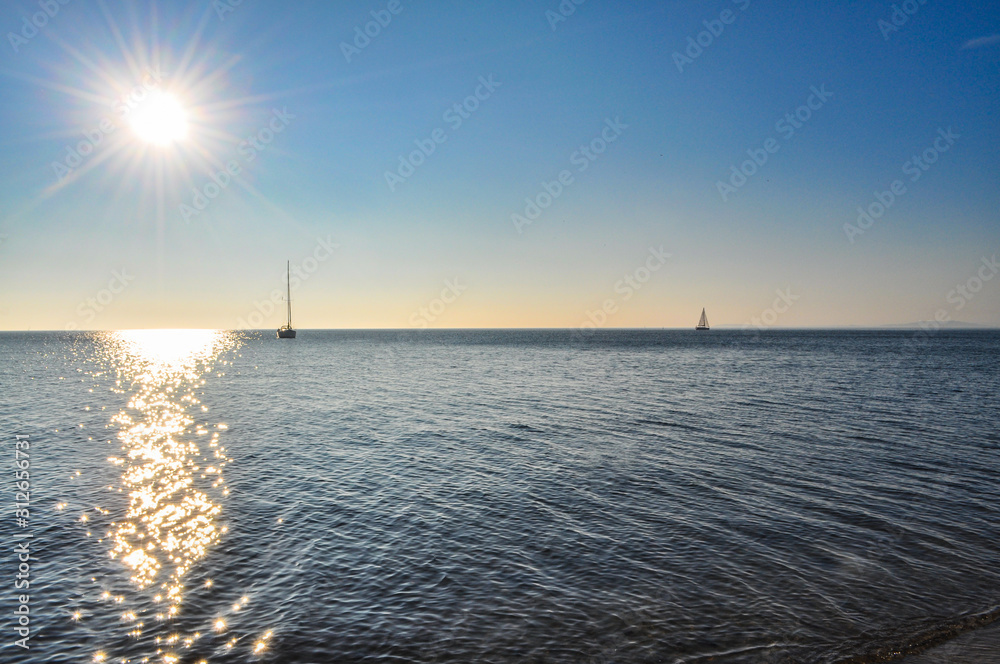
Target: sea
(488, 496)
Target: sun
(160, 119)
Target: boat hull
(702, 329)
(285, 333)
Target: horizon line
(726, 327)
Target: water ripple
(515, 497)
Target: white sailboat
(703, 321)
(286, 331)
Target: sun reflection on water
(171, 462)
(170, 522)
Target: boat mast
(288, 299)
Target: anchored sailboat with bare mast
(286, 331)
(703, 321)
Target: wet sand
(981, 646)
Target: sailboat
(702, 322)
(286, 331)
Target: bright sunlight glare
(160, 119)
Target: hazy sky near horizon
(421, 152)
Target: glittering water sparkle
(635, 496)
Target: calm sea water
(634, 496)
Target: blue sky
(344, 124)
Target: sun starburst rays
(141, 117)
(145, 120)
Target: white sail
(703, 321)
